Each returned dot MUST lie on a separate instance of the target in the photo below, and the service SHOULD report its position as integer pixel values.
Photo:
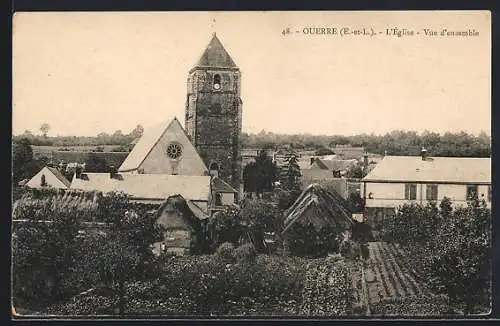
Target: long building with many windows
(401, 179)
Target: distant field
(47, 150)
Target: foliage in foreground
(55, 256)
(231, 282)
(412, 306)
(449, 249)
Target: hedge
(208, 285)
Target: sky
(89, 72)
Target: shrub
(206, 285)
(306, 241)
(350, 249)
(328, 289)
(245, 253)
(448, 248)
(226, 251)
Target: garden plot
(387, 277)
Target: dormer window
(217, 82)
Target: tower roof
(215, 56)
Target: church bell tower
(213, 112)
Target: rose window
(174, 151)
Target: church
(200, 162)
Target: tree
(137, 132)
(306, 241)
(355, 202)
(261, 217)
(449, 249)
(260, 175)
(45, 251)
(290, 174)
(22, 156)
(96, 163)
(459, 262)
(122, 254)
(44, 128)
(324, 151)
(226, 226)
(28, 134)
(117, 134)
(355, 172)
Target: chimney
(78, 171)
(365, 163)
(312, 160)
(423, 154)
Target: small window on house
(43, 183)
(162, 247)
(471, 192)
(431, 192)
(410, 191)
(218, 199)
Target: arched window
(217, 82)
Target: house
(325, 179)
(184, 223)
(318, 207)
(164, 149)
(335, 166)
(49, 177)
(223, 193)
(421, 179)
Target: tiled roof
(186, 207)
(316, 174)
(146, 186)
(335, 165)
(197, 211)
(59, 176)
(433, 169)
(216, 56)
(319, 207)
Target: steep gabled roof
(59, 176)
(151, 137)
(185, 206)
(215, 56)
(318, 207)
(145, 144)
(432, 169)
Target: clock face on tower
(217, 86)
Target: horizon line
(419, 133)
